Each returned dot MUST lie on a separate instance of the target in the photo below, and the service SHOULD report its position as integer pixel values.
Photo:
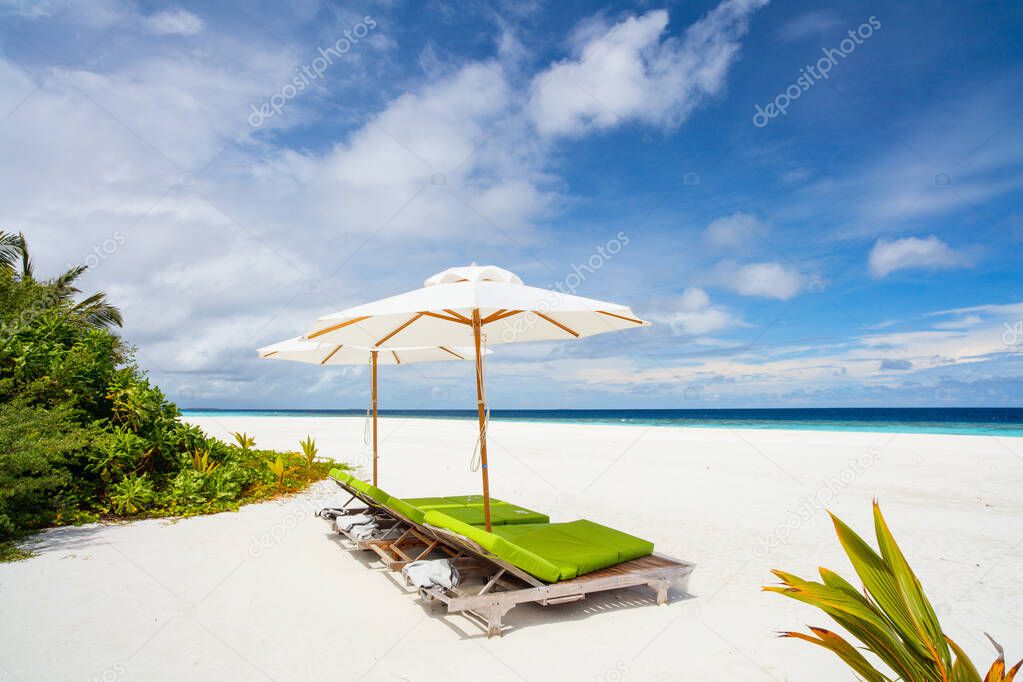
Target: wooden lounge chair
(539, 562)
(401, 520)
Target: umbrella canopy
(509, 310)
(481, 305)
(301, 350)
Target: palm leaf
(63, 282)
(997, 672)
(841, 648)
(922, 614)
(963, 669)
(10, 250)
(892, 617)
(96, 312)
(882, 585)
(26, 261)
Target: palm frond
(10, 250)
(26, 260)
(63, 283)
(96, 312)
(891, 618)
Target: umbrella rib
(444, 317)
(500, 315)
(270, 354)
(335, 327)
(458, 316)
(402, 326)
(620, 317)
(448, 350)
(331, 354)
(396, 360)
(557, 324)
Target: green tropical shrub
(83, 433)
(132, 494)
(309, 449)
(891, 618)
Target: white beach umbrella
(301, 350)
(478, 305)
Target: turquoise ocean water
(986, 421)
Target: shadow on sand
(526, 615)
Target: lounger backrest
(498, 546)
(410, 512)
(395, 504)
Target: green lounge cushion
(500, 514)
(369, 490)
(558, 544)
(511, 514)
(572, 548)
(429, 502)
(469, 509)
(518, 556)
(340, 475)
(410, 512)
(629, 547)
(450, 502)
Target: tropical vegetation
(891, 617)
(84, 435)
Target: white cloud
(174, 22)
(693, 314)
(634, 71)
(887, 256)
(815, 23)
(215, 266)
(765, 280)
(734, 231)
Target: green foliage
(280, 470)
(38, 451)
(83, 433)
(891, 618)
(309, 449)
(132, 494)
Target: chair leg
(661, 586)
(494, 621)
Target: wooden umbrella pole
(373, 374)
(481, 408)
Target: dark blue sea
(988, 421)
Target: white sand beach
(268, 593)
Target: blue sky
(228, 184)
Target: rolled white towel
(365, 531)
(348, 522)
(438, 572)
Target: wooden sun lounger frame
(411, 545)
(505, 585)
